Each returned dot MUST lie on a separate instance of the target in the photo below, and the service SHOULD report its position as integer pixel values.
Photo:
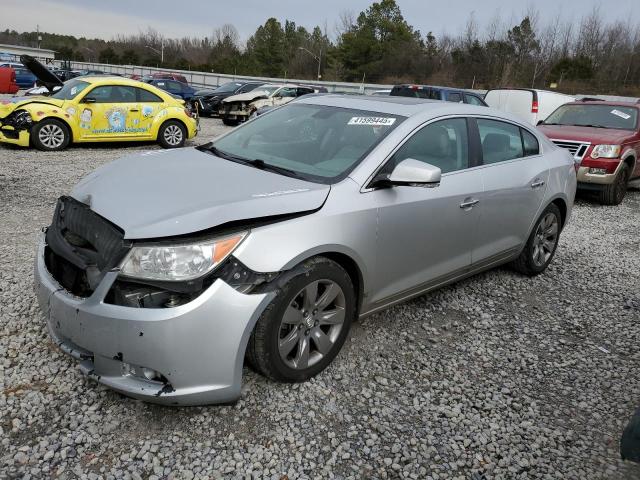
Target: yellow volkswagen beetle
(97, 109)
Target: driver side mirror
(410, 172)
(540, 122)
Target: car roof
(410, 85)
(405, 106)
(605, 102)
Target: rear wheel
(50, 135)
(305, 326)
(614, 193)
(172, 134)
(228, 122)
(542, 243)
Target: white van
(530, 104)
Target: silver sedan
(162, 272)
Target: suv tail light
(534, 106)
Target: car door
(109, 112)
(515, 176)
(425, 235)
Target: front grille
(82, 247)
(577, 149)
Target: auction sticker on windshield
(621, 114)
(372, 121)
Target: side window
(435, 94)
(530, 143)
(501, 141)
(100, 94)
(112, 94)
(174, 86)
(287, 92)
(473, 100)
(454, 97)
(443, 144)
(147, 96)
(247, 88)
(304, 91)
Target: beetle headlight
(179, 262)
(605, 151)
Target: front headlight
(605, 151)
(179, 262)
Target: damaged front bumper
(9, 134)
(196, 349)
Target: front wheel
(50, 135)
(614, 193)
(172, 134)
(228, 122)
(305, 326)
(542, 243)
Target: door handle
(134, 109)
(537, 183)
(469, 203)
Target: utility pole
(39, 36)
(317, 57)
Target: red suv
(604, 139)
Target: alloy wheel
(51, 135)
(546, 237)
(173, 135)
(311, 324)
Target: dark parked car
(174, 87)
(437, 93)
(209, 99)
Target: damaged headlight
(20, 119)
(179, 262)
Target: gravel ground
(496, 377)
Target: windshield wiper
(262, 165)
(258, 163)
(591, 126)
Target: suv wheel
(614, 193)
(542, 243)
(305, 326)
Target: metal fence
(210, 79)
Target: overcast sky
(104, 19)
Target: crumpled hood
(8, 105)
(609, 136)
(247, 97)
(175, 192)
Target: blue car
(174, 87)
(24, 77)
(446, 94)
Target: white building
(13, 52)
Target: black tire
(526, 263)
(630, 440)
(228, 122)
(614, 193)
(50, 135)
(172, 134)
(263, 351)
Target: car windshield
(314, 142)
(70, 90)
(227, 87)
(593, 115)
(267, 90)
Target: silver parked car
(163, 271)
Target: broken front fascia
(15, 127)
(134, 293)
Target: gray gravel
(500, 375)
